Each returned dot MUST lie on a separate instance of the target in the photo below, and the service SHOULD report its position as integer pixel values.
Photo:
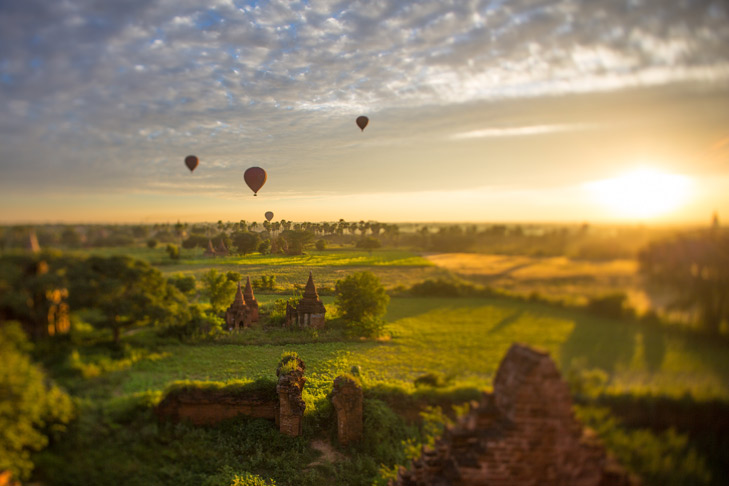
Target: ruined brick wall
(523, 433)
(347, 400)
(208, 407)
(291, 406)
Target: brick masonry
(524, 433)
(347, 400)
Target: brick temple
(309, 311)
(243, 312)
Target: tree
(264, 247)
(183, 283)
(152, 243)
(246, 242)
(368, 243)
(173, 251)
(296, 240)
(695, 268)
(30, 405)
(218, 289)
(361, 296)
(320, 244)
(127, 292)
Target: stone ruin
(243, 312)
(347, 399)
(309, 311)
(291, 382)
(523, 433)
(280, 402)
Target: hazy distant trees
(246, 242)
(695, 268)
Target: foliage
(233, 276)
(152, 243)
(443, 288)
(660, 459)
(613, 305)
(361, 296)
(248, 479)
(195, 241)
(173, 251)
(127, 292)
(218, 289)
(246, 242)
(368, 326)
(183, 283)
(31, 409)
(264, 247)
(433, 379)
(231, 388)
(320, 244)
(696, 268)
(368, 243)
(296, 240)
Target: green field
(466, 339)
(460, 339)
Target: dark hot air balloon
(191, 162)
(255, 177)
(362, 122)
(269, 215)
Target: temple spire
(310, 289)
(239, 295)
(248, 294)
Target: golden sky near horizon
(556, 111)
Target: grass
(464, 338)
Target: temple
(212, 252)
(243, 312)
(309, 311)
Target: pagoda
(309, 311)
(241, 314)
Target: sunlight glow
(644, 193)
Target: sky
(480, 111)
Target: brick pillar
(291, 405)
(347, 401)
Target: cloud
(113, 96)
(519, 131)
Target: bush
(320, 245)
(371, 327)
(435, 380)
(173, 251)
(183, 283)
(611, 305)
(660, 459)
(152, 243)
(361, 297)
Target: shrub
(152, 243)
(173, 251)
(660, 459)
(613, 305)
(435, 380)
(361, 296)
(320, 245)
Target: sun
(643, 193)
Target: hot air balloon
(269, 215)
(255, 177)
(362, 122)
(191, 162)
